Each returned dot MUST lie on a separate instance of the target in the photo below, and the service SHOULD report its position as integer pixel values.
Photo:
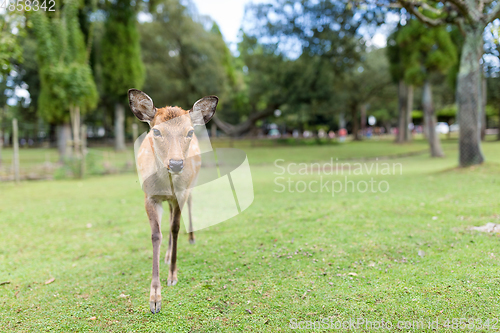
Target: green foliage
(10, 49)
(65, 76)
(122, 66)
(417, 114)
(417, 50)
(184, 61)
(370, 82)
(451, 111)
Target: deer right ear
(141, 105)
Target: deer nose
(175, 165)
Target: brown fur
(172, 143)
(167, 113)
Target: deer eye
(156, 132)
(190, 134)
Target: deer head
(172, 127)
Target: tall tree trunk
(75, 122)
(119, 127)
(77, 153)
(483, 107)
(1, 135)
(363, 119)
(63, 135)
(1, 145)
(409, 109)
(341, 120)
(431, 121)
(498, 134)
(355, 122)
(469, 97)
(402, 115)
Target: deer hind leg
(174, 231)
(168, 254)
(191, 233)
(154, 211)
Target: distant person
(331, 134)
(342, 134)
(369, 132)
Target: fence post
(15, 142)
(1, 145)
(83, 146)
(213, 130)
(135, 132)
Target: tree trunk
(409, 109)
(363, 119)
(77, 153)
(247, 125)
(469, 98)
(119, 127)
(75, 122)
(63, 135)
(1, 146)
(355, 122)
(483, 107)
(431, 121)
(1, 135)
(498, 134)
(213, 130)
(341, 120)
(402, 115)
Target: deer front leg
(168, 254)
(191, 233)
(174, 232)
(154, 211)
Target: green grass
(287, 256)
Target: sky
(229, 15)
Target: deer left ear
(203, 110)
(141, 105)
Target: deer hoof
(192, 241)
(171, 283)
(155, 307)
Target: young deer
(168, 158)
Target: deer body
(168, 162)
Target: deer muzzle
(175, 166)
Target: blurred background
(301, 85)
(286, 73)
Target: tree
(268, 78)
(10, 53)
(66, 79)
(184, 61)
(472, 17)
(360, 86)
(426, 51)
(122, 66)
(395, 54)
(291, 52)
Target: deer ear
(141, 105)
(203, 110)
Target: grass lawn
(290, 256)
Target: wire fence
(44, 164)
